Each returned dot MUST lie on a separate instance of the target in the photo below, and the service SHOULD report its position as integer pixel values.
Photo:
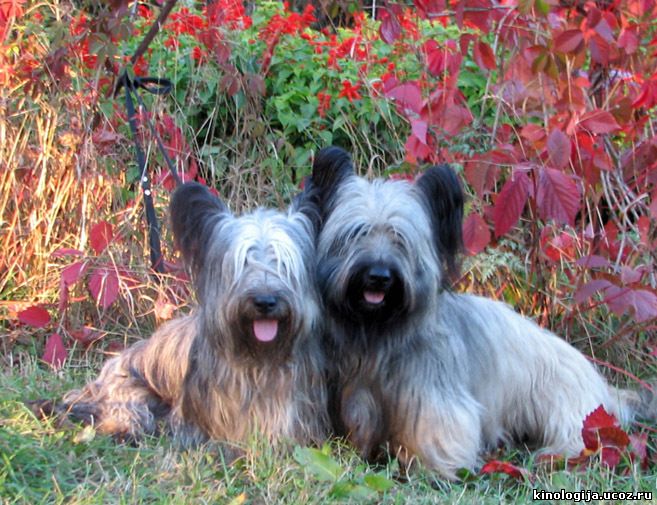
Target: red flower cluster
(290, 24)
(324, 103)
(79, 29)
(351, 47)
(228, 13)
(206, 28)
(184, 21)
(350, 91)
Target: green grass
(41, 463)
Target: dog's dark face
(252, 274)
(385, 247)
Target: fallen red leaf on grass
(496, 466)
(55, 353)
(38, 317)
(602, 434)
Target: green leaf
(240, 99)
(349, 489)
(309, 110)
(318, 464)
(339, 122)
(326, 136)
(378, 482)
(542, 6)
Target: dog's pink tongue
(374, 296)
(265, 330)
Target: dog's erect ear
(332, 165)
(443, 197)
(308, 203)
(194, 212)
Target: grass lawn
(40, 463)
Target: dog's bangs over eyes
(384, 207)
(271, 243)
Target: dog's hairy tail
(638, 405)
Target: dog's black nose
(379, 276)
(265, 303)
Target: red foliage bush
(565, 156)
(557, 147)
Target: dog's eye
(357, 232)
(399, 241)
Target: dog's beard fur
(427, 372)
(247, 360)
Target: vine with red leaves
(548, 107)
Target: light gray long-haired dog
(248, 358)
(431, 373)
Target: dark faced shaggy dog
(425, 371)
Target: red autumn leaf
(390, 29)
(647, 97)
(454, 118)
(557, 197)
(37, 317)
(590, 288)
(9, 9)
(476, 234)
(255, 84)
(483, 55)
(639, 302)
(475, 13)
(66, 251)
(416, 150)
(559, 247)
(429, 9)
(408, 95)
(569, 41)
(629, 275)
(599, 122)
(510, 202)
(496, 466)
(72, 273)
(86, 335)
(592, 261)
(481, 174)
(613, 436)
(600, 49)
(558, 147)
(533, 132)
(63, 296)
(639, 448)
(100, 236)
(601, 429)
(104, 286)
(419, 130)
(435, 57)
(610, 456)
(55, 353)
(629, 41)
